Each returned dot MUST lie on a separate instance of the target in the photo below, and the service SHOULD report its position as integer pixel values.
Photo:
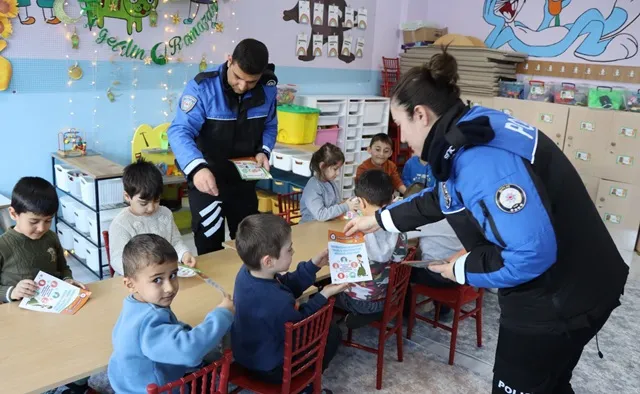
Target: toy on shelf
(633, 102)
(511, 89)
(540, 91)
(71, 144)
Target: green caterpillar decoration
(131, 11)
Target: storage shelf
(93, 209)
(100, 275)
(86, 236)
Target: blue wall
(39, 104)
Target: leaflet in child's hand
(348, 260)
(249, 169)
(55, 296)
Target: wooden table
(94, 165)
(309, 148)
(308, 239)
(41, 351)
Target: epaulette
(207, 74)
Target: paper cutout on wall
(360, 47)
(334, 16)
(325, 30)
(132, 11)
(318, 40)
(362, 18)
(193, 16)
(332, 46)
(49, 17)
(318, 14)
(301, 44)
(600, 36)
(347, 45)
(349, 17)
(304, 12)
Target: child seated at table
(364, 302)
(265, 299)
(30, 246)
(381, 149)
(321, 199)
(437, 241)
(150, 344)
(142, 189)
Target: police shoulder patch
(187, 103)
(511, 198)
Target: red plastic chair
(393, 305)
(289, 205)
(206, 378)
(453, 297)
(390, 74)
(302, 357)
(105, 236)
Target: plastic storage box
(106, 217)
(62, 176)
(92, 257)
(280, 186)
(511, 89)
(68, 207)
(296, 124)
(80, 246)
(282, 158)
(329, 134)
(264, 184)
(82, 219)
(300, 164)
(65, 235)
(111, 191)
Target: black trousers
(541, 363)
(235, 202)
(334, 338)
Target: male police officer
(225, 113)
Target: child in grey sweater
(321, 198)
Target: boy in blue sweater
(417, 171)
(150, 345)
(265, 299)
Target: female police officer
(521, 210)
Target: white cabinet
(359, 119)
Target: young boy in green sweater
(30, 246)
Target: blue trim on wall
(40, 103)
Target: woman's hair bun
(443, 68)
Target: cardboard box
(423, 34)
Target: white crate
(62, 176)
(375, 112)
(111, 191)
(65, 235)
(106, 217)
(80, 245)
(300, 164)
(82, 219)
(68, 207)
(282, 158)
(93, 258)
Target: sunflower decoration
(8, 8)
(5, 26)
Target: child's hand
(331, 290)
(353, 203)
(24, 288)
(227, 303)
(76, 283)
(321, 259)
(189, 260)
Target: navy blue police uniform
(521, 210)
(214, 124)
